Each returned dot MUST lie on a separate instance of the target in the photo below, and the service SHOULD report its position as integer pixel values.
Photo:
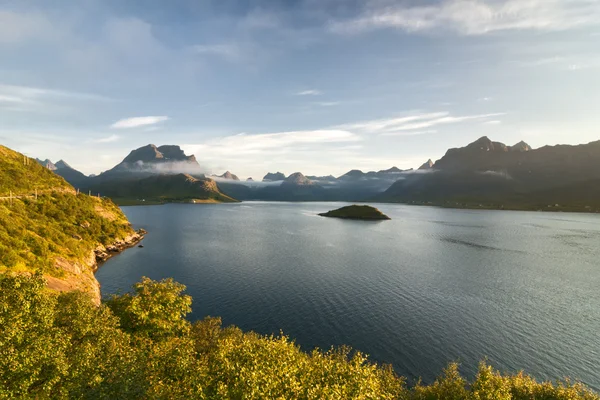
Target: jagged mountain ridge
(493, 174)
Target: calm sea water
(429, 287)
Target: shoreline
(102, 254)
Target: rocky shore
(103, 253)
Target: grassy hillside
(140, 346)
(23, 175)
(34, 233)
(56, 231)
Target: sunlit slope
(22, 175)
(140, 346)
(55, 231)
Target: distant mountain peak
(521, 146)
(151, 159)
(61, 164)
(393, 170)
(297, 178)
(47, 163)
(427, 165)
(273, 177)
(229, 175)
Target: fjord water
(429, 287)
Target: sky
(317, 86)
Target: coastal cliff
(46, 226)
(79, 275)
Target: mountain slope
(491, 174)
(57, 231)
(70, 174)
(22, 174)
(164, 188)
(157, 174)
(150, 160)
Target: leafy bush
(140, 345)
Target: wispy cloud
(28, 98)
(475, 17)
(408, 133)
(309, 92)
(404, 125)
(243, 143)
(108, 139)
(493, 122)
(228, 51)
(327, 103)
(136, 122)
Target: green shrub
(140, 346)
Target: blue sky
(318, 86)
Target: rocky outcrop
(273, 177)
(427, 165)
(297, 178)
(229, 175)
(102, 253)
(80, 275)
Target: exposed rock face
(427, 165)
(521, 146)
(250, 180)
(515, 177)
(46, 163)
(273, 177)
(102, 253)
(297, 179)
(152, 159)
(229, 175)
(81, 276)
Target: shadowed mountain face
(427, 165)
(497, 175)
(273, 177)
(229, 175)
(149, 160)
(154, 173)
(175, 187)
(61, 168)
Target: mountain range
(484, 174)
(492, 175)
(63, 169)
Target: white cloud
(138, 121)
(29, 94)
(108, 139)
(309, 92)
(411, 124)
(408, 133)
(243, 144)
(492, 122)
(476, 17)
(328, 103)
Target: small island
(366, 213)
